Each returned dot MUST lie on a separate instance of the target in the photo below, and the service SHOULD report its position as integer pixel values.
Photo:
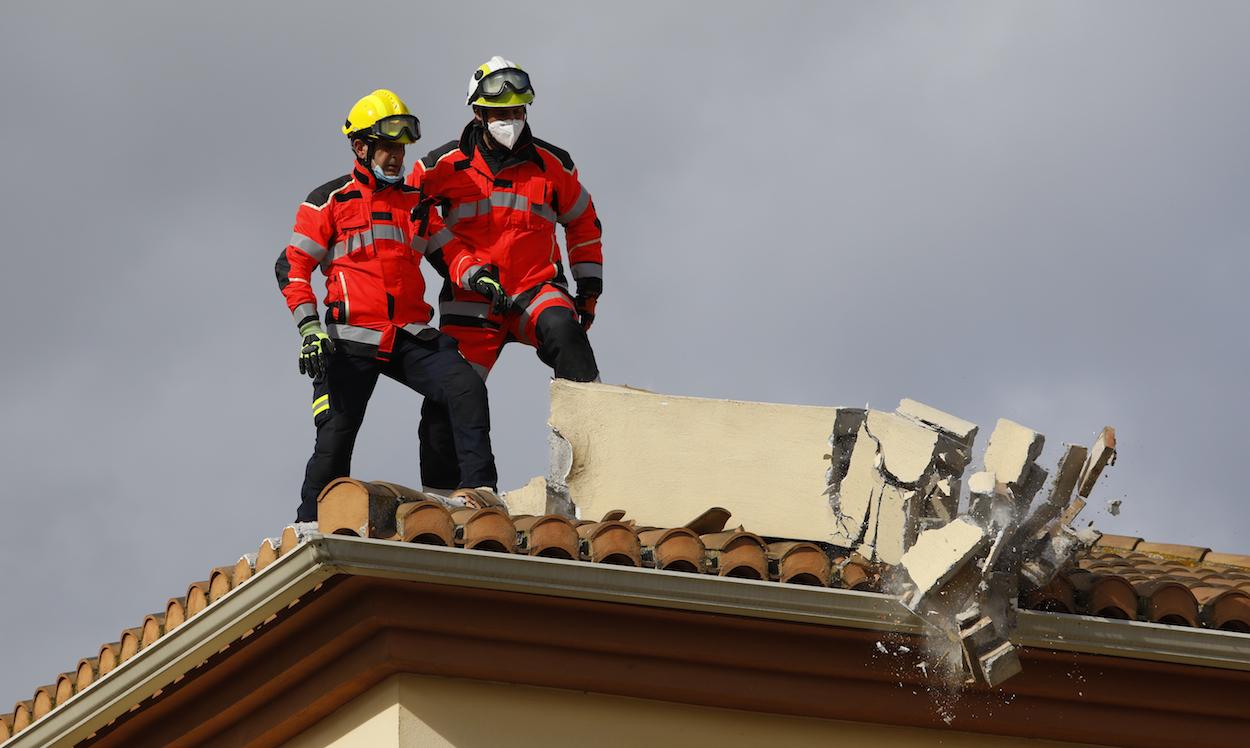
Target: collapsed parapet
(893, 485)
(889, 490)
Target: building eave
(324, 557)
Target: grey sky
(1035, 211)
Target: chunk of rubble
(893, 475)
(1102, 455)
(938, 555)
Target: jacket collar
(473, 139)
(365, 178)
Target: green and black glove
(314, 353)
(485, 282)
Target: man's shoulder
(322, 195)
(551, 151)
(432, 158)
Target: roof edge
(322, 557)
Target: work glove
(588, 290)
(314, 354)
(485, 283)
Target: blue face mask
(384, 177)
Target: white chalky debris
(1113, 507)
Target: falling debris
(893, 485)
(1113, 507)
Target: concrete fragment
(906, 448)
(559, 465)
(1113, 507)
(1011, 451)
(979, 636)
(1066, 474)
(1058, 550)
(528, 499)
(1100, 456)
(964, 431)
(998, 665)
(939, 554)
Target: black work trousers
(430, 365)
(562, 345)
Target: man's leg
(550, 325)
(339, 402)
(434, 367)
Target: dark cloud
(1020, 210)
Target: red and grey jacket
(503, 209)
(368, 239)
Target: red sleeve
(310, 241)
(583, 234)
(449, 254)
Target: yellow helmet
(500, 83)
(382, 115)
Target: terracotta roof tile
(1120, 577)
(1168, 550)
(1227, 559)
(1120, 542)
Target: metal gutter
(176, 653)
(322, 557)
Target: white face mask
(506, 131)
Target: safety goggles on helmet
(498, 82)
(401, 128)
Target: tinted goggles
(402, 128)
(499, 81)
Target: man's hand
(485, 283)
(588, 290)
(586, 309)
(314, 354)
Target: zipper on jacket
(347, 313)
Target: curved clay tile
(175, 613)
(674, 549)
(21, 716)
(65, 687)
(403, 493)
(1057, 597)
(6, 726)
(488, 529)
(855, 573)
(350, 507)
(800, 562)
(109, 658)
(1112, 596)
(220, 581)
(1170, 602)
(291, 538)
(549, 536)
(1224, 608)
(610, 542)
(130, 644)
(86, 673)
(711, 520)
(244, 568)
(1228, 559)
(43, 701)
(737, 553)
(153, 628)
(426, 522)
(1170, 550)
(1118, 542)
(197, 598)
(268, 552)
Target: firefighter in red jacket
(367, 232)
(502, 192)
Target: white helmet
(500, 83)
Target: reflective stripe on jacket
(504, 211)
(368, 242)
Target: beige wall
(407, 711)
(665, 459)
